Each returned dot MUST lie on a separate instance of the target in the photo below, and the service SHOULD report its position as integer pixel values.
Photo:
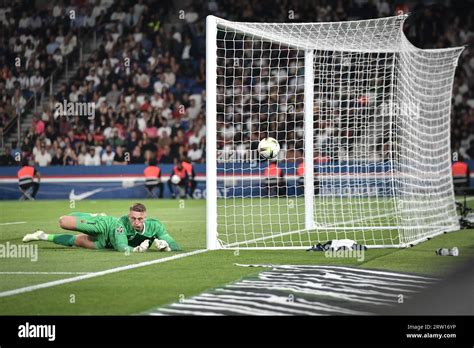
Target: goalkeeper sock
(62, 239)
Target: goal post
(211, 140)
(363, 121)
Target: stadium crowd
(34, 44)
(146, 79)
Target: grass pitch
(140, 289)
(264, 222)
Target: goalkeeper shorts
(88, 225)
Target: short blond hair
(138, 207)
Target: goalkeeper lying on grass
(131, 233)
(139, 229)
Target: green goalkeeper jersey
(116, 234)
(108, 231)
(152, 229)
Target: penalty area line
(96, 274)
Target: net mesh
(381, 147)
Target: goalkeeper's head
(137, 216)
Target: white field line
(15, 273)
(12, 223)
(96, 274)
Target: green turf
(138, 290)
(275, 221)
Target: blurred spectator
(39, 125)
(70, 158)
(58, 159)
(92, 158)
(18, 102)
(195, 154)
(164, 155)
(113, 96)
(36, 82)
(6, 158)
(120, 157)
(137, 156)
(81, 159)
(108, 156)
(43, 158)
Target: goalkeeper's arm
(161, 245)
(138, 249)
(165, 243)
(142, 247)
(168, 239)
(121, 244)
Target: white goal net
(355, 102)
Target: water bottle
(447, 252)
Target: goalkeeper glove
(161, 245)
(142, 247)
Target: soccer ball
(268, 148)
(175, 179)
